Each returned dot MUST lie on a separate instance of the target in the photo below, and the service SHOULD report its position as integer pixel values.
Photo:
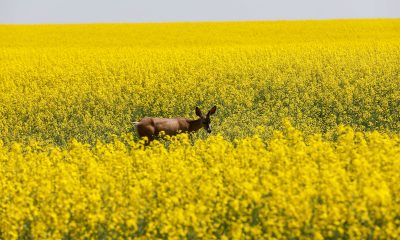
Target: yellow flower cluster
(89, 82)
(72, 167)
(214, 188)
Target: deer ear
(198, 112)
(212, 110)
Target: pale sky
(95, 11)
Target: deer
(151, 127)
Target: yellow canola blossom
(212, 189)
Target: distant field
(305, 142)
(90, 81)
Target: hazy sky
(91, 11)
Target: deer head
(205, 119)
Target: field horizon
(207, 21)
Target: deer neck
(195, 125)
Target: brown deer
(151, 127)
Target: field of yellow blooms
(305, 142)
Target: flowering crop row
(214, 188)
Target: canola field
(305, 141)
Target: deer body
(151, 127)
